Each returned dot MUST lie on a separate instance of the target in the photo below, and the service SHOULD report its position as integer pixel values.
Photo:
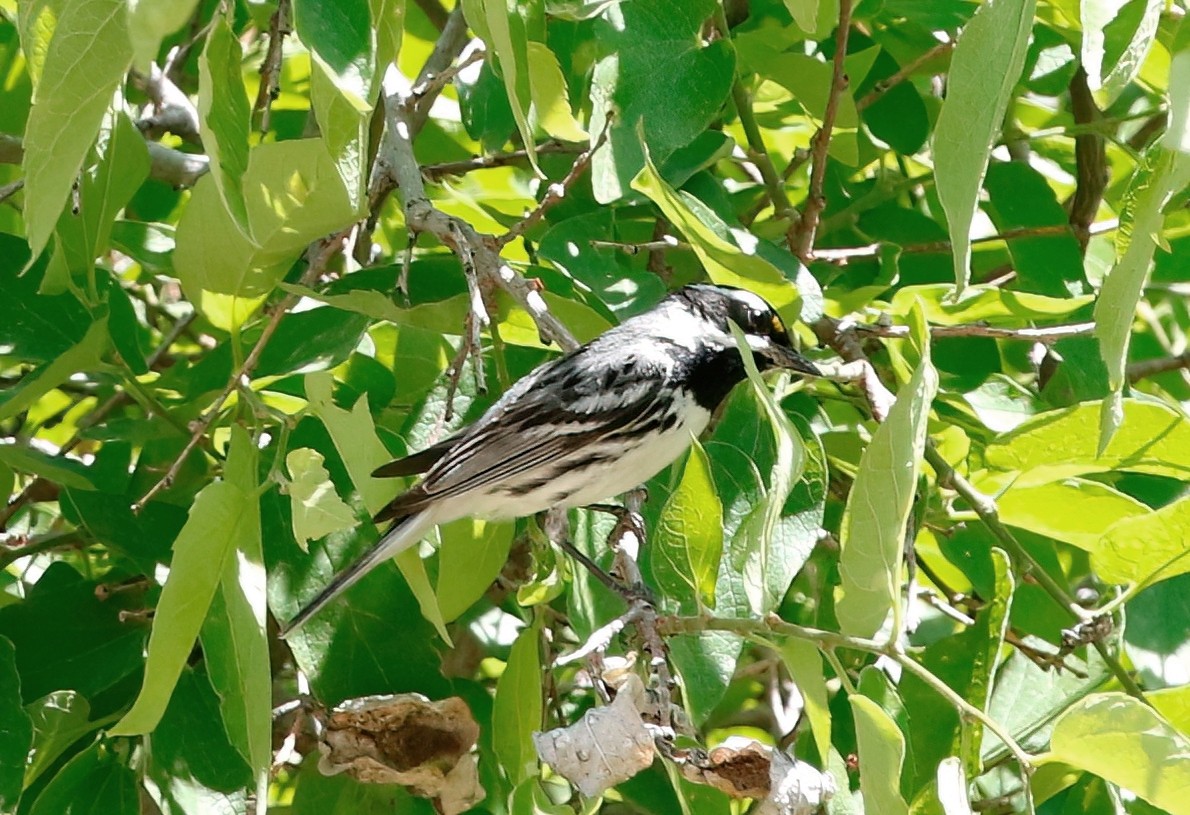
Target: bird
(586, 426)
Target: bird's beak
(783, 357)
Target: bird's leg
(557, 529)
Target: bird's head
(762, 326)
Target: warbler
(586, 426)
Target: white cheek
(759, 345)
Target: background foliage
(251, 250)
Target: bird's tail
(405, 533)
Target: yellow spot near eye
(778, 327)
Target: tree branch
(801, 237)
(173, 112)
(1162, 365)
(842, 255)
(1090, 158)
(556, 192)
(280, 26)
(397, 162)
(174, 167)
(829, 641)
(985, 508)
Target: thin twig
(1047, 335)
(885, 85)
(801, 235)
(668, 242)
(842, 255)
(11, 189)
(987, 511)
(556, 192)
(396, 157)
(434, 172)
(280, 26)
(90, 420)
(828, 641)
(758, 153)
(433, 84)
(321, 257)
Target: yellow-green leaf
(873, 532)
(1127, 743)
(726, 263)
(983, 72)
(688, 543)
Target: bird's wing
(558, 409)
(418, 462)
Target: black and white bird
(587, 426)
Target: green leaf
(502, 28)
(362, 452)
(551, 98)
(1027, 698)
(991, 625)
(340, 35)
(1127, 743)
(1167, 172)
(121, 164)
(294, 195)
(84, 64)
(1173, 704)
(1116, 39)
(94, 782)
(654, 73)
(355, 439)
(990, 304)
(470, 559)
(34, 327)
(318, 794)
(317, 508)
(1020, 197)
(756, 531)
(725, 261)
(224, 118)
(1087, 508)
(706, 663)
(192, 740)
(881, 748)
(234, 642)
(1147, 547)
(16, 734)
(804, 662)
(59, 720)
(82, 357)
(983, 72)
(1153, 438)
(59, 469)
(688, 541)
(149, 22)
(517, 710)
(874, 523)
(223, 521)
(805, 13)
(809, 80)
(67, 638)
